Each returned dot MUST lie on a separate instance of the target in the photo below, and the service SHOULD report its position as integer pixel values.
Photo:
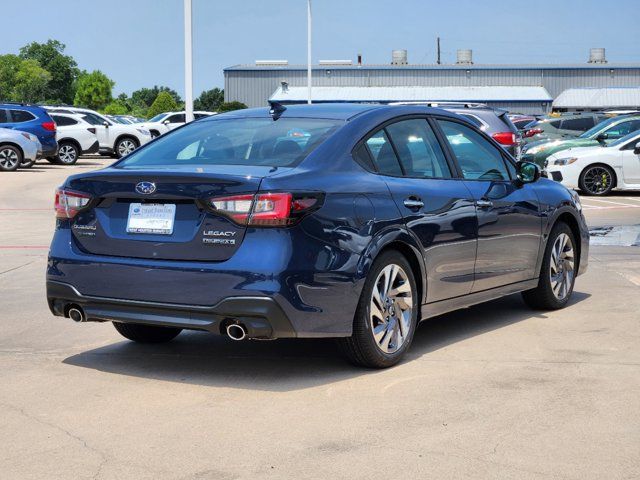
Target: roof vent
(464, 57)
(335, 62)
(596, 55)
(399, 57)
(285, 86)
(272, 62)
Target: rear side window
(554, 124)
(383, 154)
(63, 121)
(418, 149)
(477, 157)
(578, 124)
(3, 116)
(237, 141)
(19, 116)
(473, 119)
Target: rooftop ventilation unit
(335, 62)
(399, 57)
(596, 55)
(464, 57)
(272, 62)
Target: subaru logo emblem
(146, 188)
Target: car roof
(332, 111)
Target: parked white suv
(114, 138)
(167, 121)
(75, 137)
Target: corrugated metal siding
(255, 86)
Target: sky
(140, 43)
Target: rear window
(241, 141)
(19, 116)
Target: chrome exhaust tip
(76, 314)
(237, 332)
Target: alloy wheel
(67, 154)
(561, 264)
(125, 147)
(391, 308)
(8, 158)
(597, 180)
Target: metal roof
(474, 66)
(413, 93)
(598, 97)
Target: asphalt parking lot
(493, 391)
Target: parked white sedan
(599, 170)
(167, 121)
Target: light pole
(309, 51)
(188, 62)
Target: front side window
(238, 141)
(178, 118)
(622, 129)
(93, 119)
(383, 154)
(158, 117)
(477, 157)
(3, 116)
(19, 116)
(418, 149)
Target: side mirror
(636, 149)
(106, 124)
(602, 137)
(528, 172)
(165, 122)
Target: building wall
(253, 86)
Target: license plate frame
(151, 218)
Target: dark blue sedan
(347, 221)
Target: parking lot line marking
(18, 247)
(26, 209)
(610, 202)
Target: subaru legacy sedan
(347, 221)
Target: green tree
(209, 100)
(93, 90)
(31, 82)
(229, 106)
(9, 65)
(146, 96)
(164, 102)
(116, 108)
(63, 68)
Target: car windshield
(158, 117)
(623, 140)
(597, 128)
(241, 141)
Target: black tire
(119, 146)
(68, 153)
(10, 158)
(597, 180)
(53, 160)
(146, 333)
(543, 297)
(362, 348)
(27, 163)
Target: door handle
(413, 203)
(483, 203)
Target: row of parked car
(61, 134)
(593, 152)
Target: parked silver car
(17, 147)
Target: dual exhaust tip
(235, 331)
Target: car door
(509, 218)
(631, 163)
(437, 208)
(102, 130)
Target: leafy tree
(146, 96)
(164, 102)
(93, 90)
(209, 100)
(116, 107)
(229, 106)
(9, 65)
(63, 68)
(31, 82)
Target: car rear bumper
(260, 315)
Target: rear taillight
(531, 132)
(505, 138)
(68, 203)
(266, 209)
(92, 130)
(50, 126)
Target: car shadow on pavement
(288, 364)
